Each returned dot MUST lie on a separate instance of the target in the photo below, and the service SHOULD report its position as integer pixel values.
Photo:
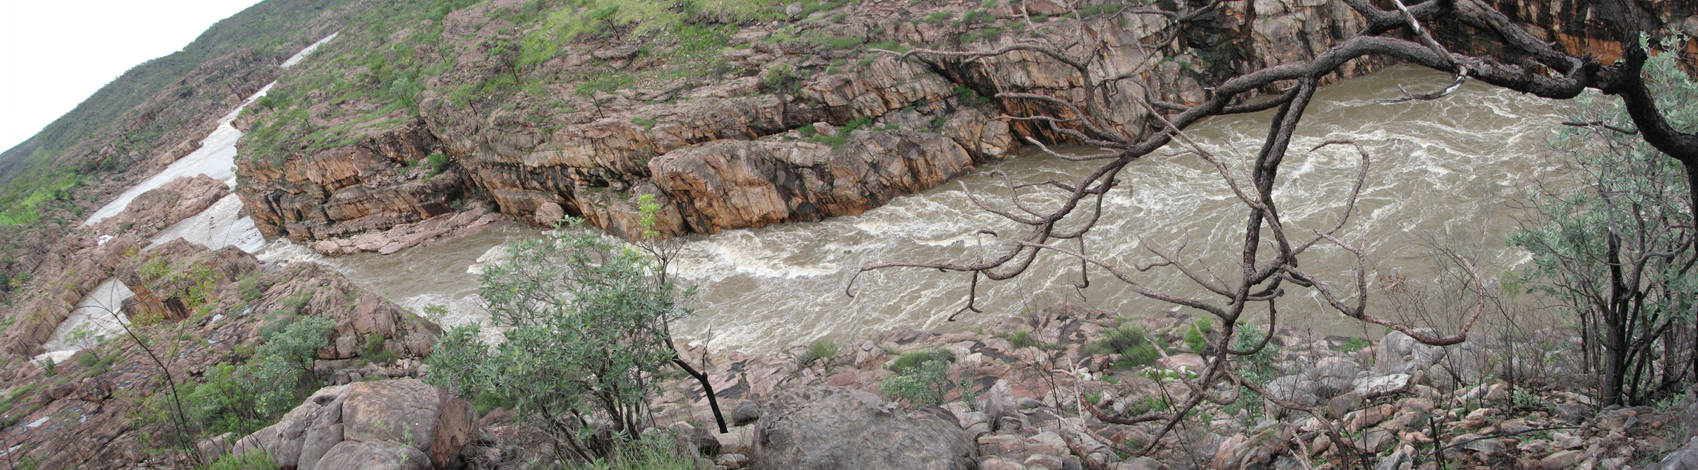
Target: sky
(55, 53)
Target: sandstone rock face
(838, 428)
(372, 184)
(745, 151)
(367, 423)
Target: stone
(836, 428)
(1374, 387)
(999, 463)
(380, 454)
(744, 413)
(549, 213)
(1683, 458)
(1562, 459)
(1401, 353)
(731, 461)
(408, 411)
(999, 403)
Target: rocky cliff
(790, 120)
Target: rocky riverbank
(1020, 396)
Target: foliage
(913, 359)
(1023, 338)
(819, 349)
(1354, 344)
(653, 451)
(1197, 335)
(923, 384)
(253, 460)
(438, 163)
(586, 334)
(1618, 255)
(243, 398)
(1129, 341)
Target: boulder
(382, 454)
(409, 411)
(837, 428)
(392, 420)
(1400, 353)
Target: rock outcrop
(836, 428)
(364, 424)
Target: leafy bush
(1022, 338)
(923, 384)
(1197, 335)
(819, 349)
(572, 305)
(241, 399)
(913, 359)
(1617, 256)
(1130, 342)
(438, 163)
(1353, 344)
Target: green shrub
(573, 305)
(922, 384)
(1130, 342)
(817, 350)
(1354, 344)
(241, 399)
(913, 359)
(1023, 338)
(438, 163)
(1197, 335)
(653, 451)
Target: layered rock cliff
(795, 120)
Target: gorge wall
(795, 119)
(779, 129)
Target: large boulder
(401, 420)
(382, 454)
(837, 428)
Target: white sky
(55, 53)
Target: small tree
(1619, 254)
(585, 325)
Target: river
(1441, 170)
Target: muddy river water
(1448, 170)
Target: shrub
(1128, 341)
(818, 350)
(1197, 335)
(923, 384)
(573, 305)
(1618, 256)
(1353, 344)
(913, 359)
(241, 399)
(1022, 338)
(438, 163)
